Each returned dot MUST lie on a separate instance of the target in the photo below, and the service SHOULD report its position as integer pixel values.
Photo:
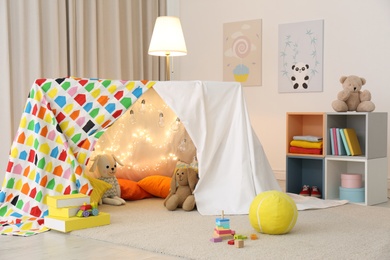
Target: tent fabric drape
(232, 164)
(63, 118)
(61, 122)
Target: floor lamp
(167, 40)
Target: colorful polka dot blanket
(62, 120)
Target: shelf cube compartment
(306, 123)
(371, 137)
(304, 171)
(334, 175)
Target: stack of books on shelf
(344, 141)
(306, 144)
(63, 211)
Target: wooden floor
(56, 245)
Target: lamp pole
(167, 68)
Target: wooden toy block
(231, 242)
(254, 237)
(223, 225)
(216, 239)
(221, 228)
(240, 237)
(222, 221)
(224, 236)
(239, 243)
(223, 231)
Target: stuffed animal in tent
(352, 98)
(183, 184)
(106, 167)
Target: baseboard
(280, 175)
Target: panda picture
(300, 77)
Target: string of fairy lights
(148, 138)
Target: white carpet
(345, 232)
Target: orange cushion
(156, 185)
(130, 190)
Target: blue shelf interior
(304, 171)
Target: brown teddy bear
(183, 183)
(351, 98)
(106, 168)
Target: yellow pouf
(273, 212)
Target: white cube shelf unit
(325, 170)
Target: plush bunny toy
(106, 166)
(183, 184)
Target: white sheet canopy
(64, 118)
(233, 167)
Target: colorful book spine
(76, 223)
(70, 200)
(336, 150)
(353, 142)
(340, 144)
(63, 212)
(344, 142)
(331, 140)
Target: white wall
(356, 41)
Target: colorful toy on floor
(87, 210)
(239, 243)
(273, 212)
(240, 237)
(222, 229)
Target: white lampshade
(167, 37)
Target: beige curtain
(34, 35)
(59, 38)
(110, 39)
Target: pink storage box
(351, 180)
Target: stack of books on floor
(344, 141)
(306, 144)
(63, 211)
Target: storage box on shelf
(325, 171)
(352, 187)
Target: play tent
(63, 119)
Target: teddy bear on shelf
(106, 168)
(352, 98)
(181, 195)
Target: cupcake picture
(241, 73)
(242, 52)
